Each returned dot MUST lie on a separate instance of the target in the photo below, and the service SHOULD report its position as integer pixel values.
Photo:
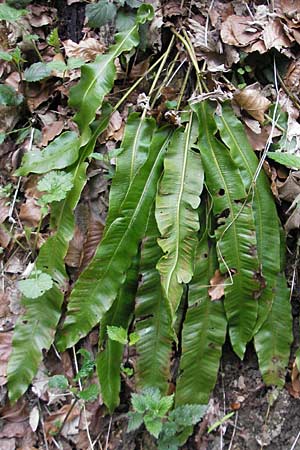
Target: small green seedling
(170, 428)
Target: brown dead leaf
(292, 77)
(294, 389)
(274, 36)
(54, 420)
(217, 284)
(4, 237)
(9, 116)
(258, 140)
(52, 130)
(30, 213)
(94, 236)
(5, 350)
(4, 304)
(291, 8)
(86, 49)
(238, 31)
(219, 13)
(139, 69)
(115, 127)
(41, 15)
(4, 209)
(251, 100)
(74, 255)
(289, 189)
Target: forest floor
(263, 417)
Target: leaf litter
(227, 37)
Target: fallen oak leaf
(236, 30)
(251, 100)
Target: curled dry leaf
(251, 100)
(217, 285)
(236, 30)
(87, 49)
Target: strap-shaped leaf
(97, 78)
(176, 214)
(273, 340)
(266, 219)
(204, 332)
(153, 319)
(98, 286)
(35, 330)
(135, 145)
(60, 153)
(236, 237)
(109, 359)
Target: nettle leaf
(164, 405)
(53, 39)
(153, 318)
(135, 420)
(60, 153)
(100, 282)
(187, 415)
(100, 13)
(41, 318)
(56, 184)
(60, 66)
(5, 56)
(291, 161)
(2, 137)
(235, 233)
(11, 14)
(37, 72)
(90, 394)
(118, 334)
(176, 213)
(8, 96)
(58, 382)
(204, 330)
(97, 78)
(75, 63)
(153, 425)
(35, 286)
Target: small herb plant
(90, 391)
(170, 428)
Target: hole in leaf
(221, 192)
